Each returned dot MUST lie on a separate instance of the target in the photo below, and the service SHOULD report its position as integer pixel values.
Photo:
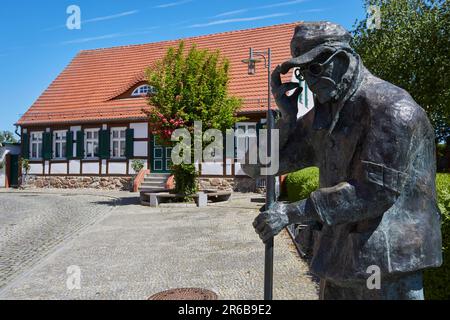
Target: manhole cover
(185, 294)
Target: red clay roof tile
(86, 90)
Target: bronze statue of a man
(375, 148)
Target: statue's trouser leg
(402, 287)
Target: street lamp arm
(263, 55)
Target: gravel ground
(134, 252)
(31, 225)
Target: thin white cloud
(89, 39)
(281, 4)
(224, 21)
(230, 13)
(97, 19)
(114, 16)
(243, 10)
(171, 4)
(313, 10)
(111, 36)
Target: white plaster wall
(3, 153)
(140, 130)
(131, 171)
(47, 167)
(228, 167)
(74, 166)
(213, 168)
(238, 170)
(59, 168)
(117, 168)
(140, 148)
(75, 128)
(196, 166)
(2, 178)
(35, 168)
(104, 166)
(91, 167)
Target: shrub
(437, 281)
(186, 182)
(137, 165)
(300, 184)
(25, 165)
(190, 86)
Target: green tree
(412, 50)
(190, 87)
(7, 137)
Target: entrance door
(161, 157)
(13, 175)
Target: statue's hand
(288, 105)
(270, 223)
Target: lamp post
(270, 179)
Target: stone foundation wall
(82, 182)
(238, 184)
(246, 184)
(225, 184)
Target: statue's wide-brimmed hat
(313, 38)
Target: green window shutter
(69, 145)
(25, 146)
(104, 144)
(129, 144)
(224, 144)
(80, 144)
(47, 146)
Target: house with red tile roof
(89, 125)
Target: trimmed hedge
(300, 184)
(437, 281)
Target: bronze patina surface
(376, 206)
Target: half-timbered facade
(89, 124)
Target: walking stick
(270, 182)
(270, 194)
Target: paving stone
(31, 225)
(133, 251)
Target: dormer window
(143, 90)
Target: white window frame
(246, 126)
(39, 141)
(143, 90)
(58, 144)
(120, 141)
(91, 140)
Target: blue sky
(36, 45)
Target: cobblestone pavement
(134, 252)
(31, 225)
